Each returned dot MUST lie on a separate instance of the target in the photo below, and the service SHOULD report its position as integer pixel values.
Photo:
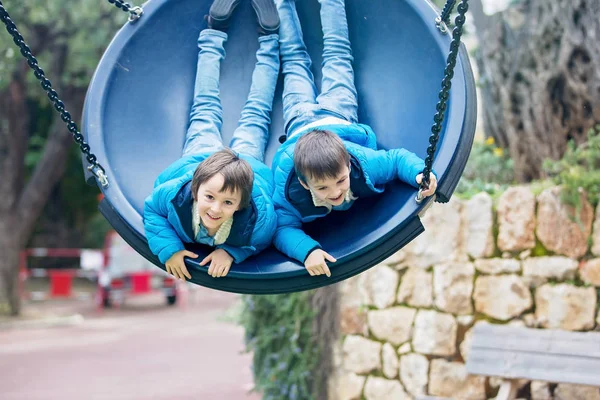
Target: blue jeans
(206, 116)
(301, 104)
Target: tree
(68, 38)
(539, 63)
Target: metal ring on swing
(441, 25)
(135, 13)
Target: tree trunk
(13, 146)
(10, 250)
(539, 63)
(326, 333)
(21, 205)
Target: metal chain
(134, 12)
(94, 166)
(443, 95)
(442, 21)
(448, 7)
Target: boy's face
(330, 190)
(215, 206)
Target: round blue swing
(136, 116)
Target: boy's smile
(331, 190)
(214, 205)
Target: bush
(489, 169)
(578, 170)
(279, 333)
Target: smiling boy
(329, 159)
(212, 195)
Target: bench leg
(508, 390)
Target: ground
(68, 349)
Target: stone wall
(406, 323)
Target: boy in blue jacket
(212, 195)
(329, 159)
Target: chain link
(94, 166)
(444, 94)
(448, 7)
(134, 12)
(442, 21)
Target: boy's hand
(176, 266)
(220, 262)
(432, 184)
(315, 263)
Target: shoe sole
(266, 14)
(222, 10)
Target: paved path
(143, 351)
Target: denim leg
(298, 81)
(338, 92)
(252, 134)
(206, 115)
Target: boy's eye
(322, 188)
(209, 197)
(229, 203)
(342, 180)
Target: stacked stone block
(406, 324)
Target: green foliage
(539, 250)
(279, 333)
(79, 30)
(489, 169)
(80, 199)
(578, 170)
(68, 38)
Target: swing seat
(136, 115)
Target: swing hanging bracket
(441, 25)
(135, 13)
(419, 198)
(427, 206)
(98, 172)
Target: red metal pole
(22, 272)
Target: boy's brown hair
(238, 174)
(320, 154)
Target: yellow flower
(498, 152)
(489, 141)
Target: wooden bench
(548, 355)
(514, 353)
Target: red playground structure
(117, 271)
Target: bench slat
(537, 340)
(551, 368)
(547, 355)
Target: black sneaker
(220, 13)
(267, 16)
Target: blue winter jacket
(168, 212)
(370, 170)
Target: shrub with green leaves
(578, 169)
(279, 333)
(489, 169)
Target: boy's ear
(304, 185)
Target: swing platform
(137, 106)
